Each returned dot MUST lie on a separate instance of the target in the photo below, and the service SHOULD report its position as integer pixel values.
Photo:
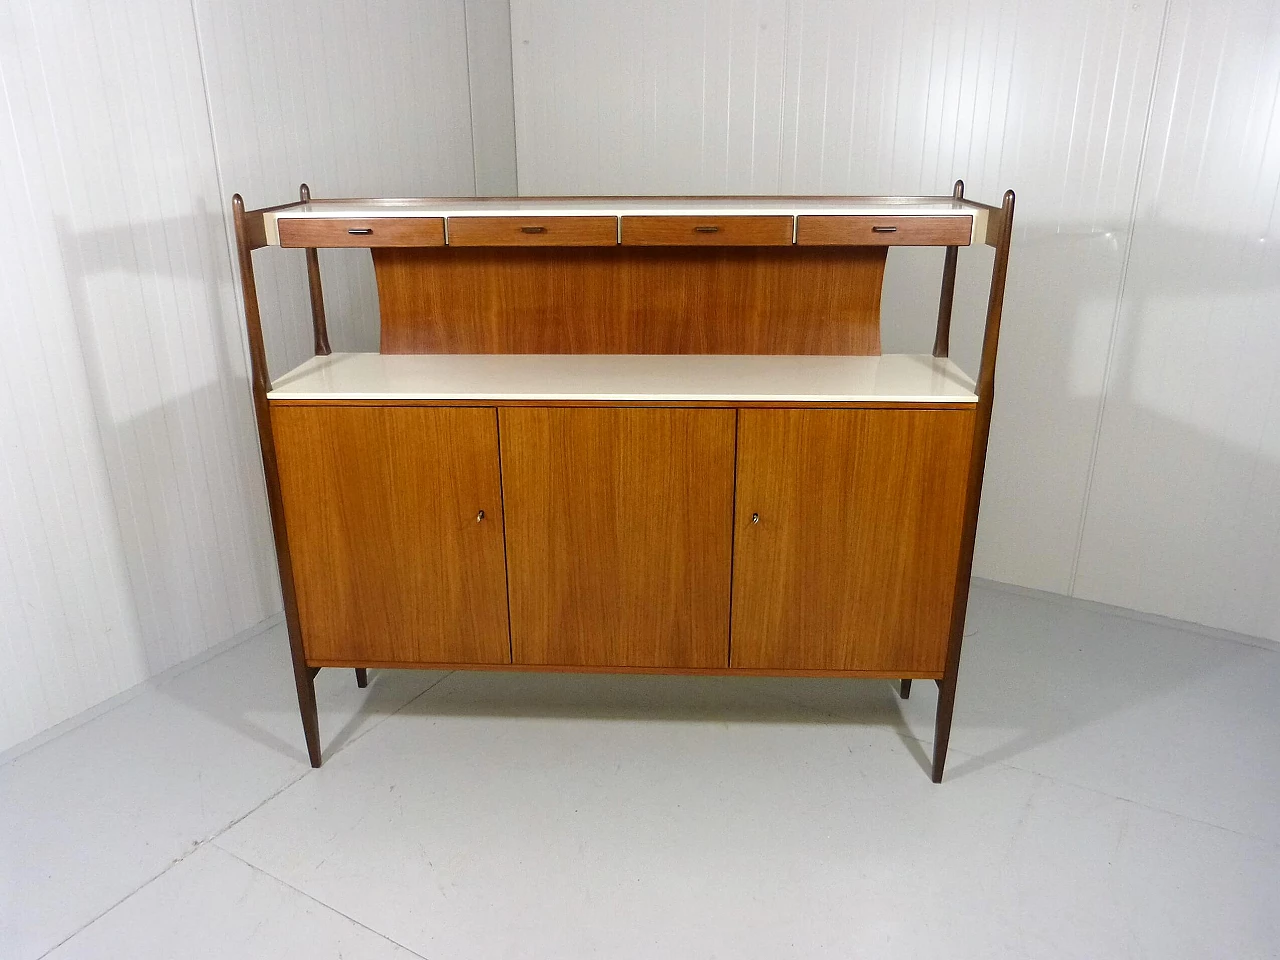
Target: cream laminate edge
(896, 378)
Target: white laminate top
(893, 378)
(625, 206)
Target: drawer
(371, 232)
(714, 231)
(884, 231)
(533, 231)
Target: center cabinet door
(619, 535)
(394, 517)
(848, 538)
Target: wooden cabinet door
(392, 560)
(619, 535)
(850, 560)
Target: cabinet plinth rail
(627, 434)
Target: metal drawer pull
(533, 229)
(884, 229)
(360, 231)
(706, 229)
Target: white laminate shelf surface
(626, 207)
(497, 378)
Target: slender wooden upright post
(248, 236)
(942, 340)
(319, 327)
(1003, 236)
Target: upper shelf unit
(629, 221)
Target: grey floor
(1113, 791)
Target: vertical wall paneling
(357, 100)
(1184, 509)
(133, 525)
(673, 96)
(133, 528)
(493, 109)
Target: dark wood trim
(275, 207)
(674, 671)
(904, 689)
(362, 677)
(260, 381)
(255, 227)
(946, 301)
(319, 327)
(978, 459)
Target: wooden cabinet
(847, 536)
(394, 519)
(619, 535)
(627, 434)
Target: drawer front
(533, 231)
(884, 231)
(372, 232)
(687, 231)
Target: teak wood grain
(390, 561)
(851, 563)
(713, 231)
(886, 231)
(619, 535)
(369, 232)
(533, 231)
(729, 300)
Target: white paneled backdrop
(133, 527)
(1135, 453)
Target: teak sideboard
(627, 435)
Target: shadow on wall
(159, 333)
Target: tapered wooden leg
(310, 716)
(942, 724)
(362, 677)
(904, 690)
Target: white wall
(1135, 454)
(133, 527)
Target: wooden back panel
(726, 300)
